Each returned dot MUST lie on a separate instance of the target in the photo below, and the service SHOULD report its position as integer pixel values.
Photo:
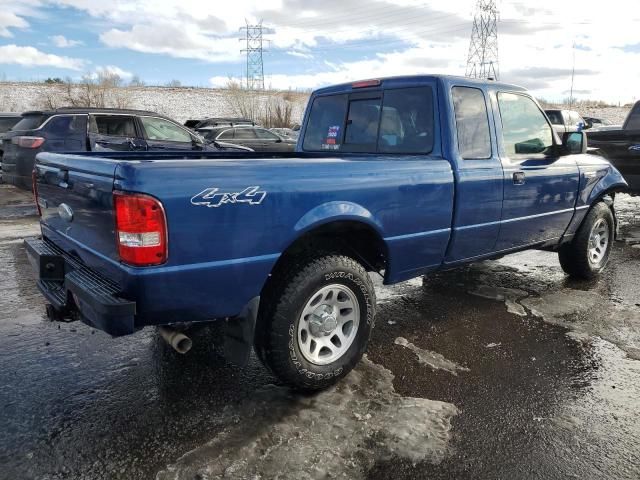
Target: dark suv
(7, 121)
(91, 129)
(256, 138)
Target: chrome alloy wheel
(328, 324)
(598, 241)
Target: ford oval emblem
(65, 212)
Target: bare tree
(136, 82)
(174, 83)
(269, 109)
(100, 90)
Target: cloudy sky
(315, 43)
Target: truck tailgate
(75, 195)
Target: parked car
(593, 122)
(257, 138)
(286, 133)
(7, 121)
(621, 147)
(92, 129)
(564, 121)
(402, 176)
(218, 122)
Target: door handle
(518, 178)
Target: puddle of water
(340, 432)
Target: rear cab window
(394, 120)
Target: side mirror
(574, 143)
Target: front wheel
(588, 253)
(316, 321)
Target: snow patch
(432, 359)
(338, 433)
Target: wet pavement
(503, 369)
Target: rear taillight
(141, 229)
(28, 142)
(34, 188)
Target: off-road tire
(282, 304)
(574, 256)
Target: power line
(482, 61)
(254, 50)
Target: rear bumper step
(62, 277)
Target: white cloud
(32, 57)
(175, 40)
(9, 20)
(61, 41)
(423, 37)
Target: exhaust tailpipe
(178, 340)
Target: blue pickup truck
(401, 176)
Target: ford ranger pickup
(399, 177)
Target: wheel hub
(323, 321)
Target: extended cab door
(161, 134)
(110, 132)
(478, 199)
(540, 187)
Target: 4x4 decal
(212, 197)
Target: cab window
(472, 123)
(525, 129)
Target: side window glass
(244, 134)
(406, 124)
(472, 123)
(163, 130)
(524, 128)
(326, 119)
(115, 126)
(362, 123)
(633, 123)
(265, 134)
(67, 125)
(226, 135)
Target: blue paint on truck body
(429, 211)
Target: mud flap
(239, 332)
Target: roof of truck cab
(413, 79)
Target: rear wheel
(588, 253)
(316, 321)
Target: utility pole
(573, 74)
(482, 61)
(253, 49)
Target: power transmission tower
(482, 61)
(254, 49)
